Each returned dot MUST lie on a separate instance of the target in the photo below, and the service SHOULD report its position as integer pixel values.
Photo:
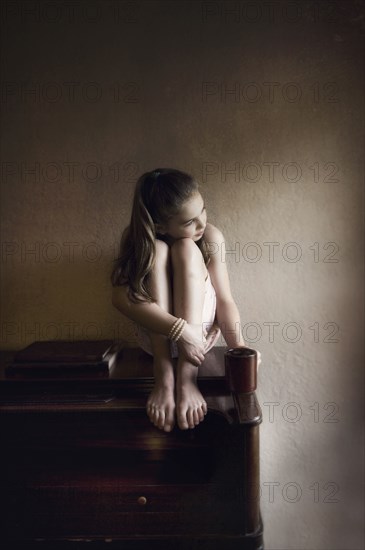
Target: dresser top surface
(124, 388)
(133, 363)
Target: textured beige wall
(264, 105)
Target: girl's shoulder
(212, 234)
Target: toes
(196, 417)
(160, 420)
(149, 412)
(200, 414)
(164, 420)
(190, 418)
(169, 421)
(153, 414)
(182, 421)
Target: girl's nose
(202, 220)
(201, 223)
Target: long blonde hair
(158, 196)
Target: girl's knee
(184, 248)
(185, 252)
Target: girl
(175, 290)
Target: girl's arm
(152, 317)
(228, 316)
(149, 315)
(230, 324)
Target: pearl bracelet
(180, 331)
(174, 329)
(177, 329)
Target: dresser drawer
(121, 493)
(132, 509)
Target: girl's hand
(192, 343)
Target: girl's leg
(189, 272)
(161, 402)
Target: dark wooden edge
(248, 408)
(249, 541)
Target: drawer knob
(142, 501)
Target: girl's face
(190, 221)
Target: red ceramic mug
(241, 369)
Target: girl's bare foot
(161, 402)
(191, 406)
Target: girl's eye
(191, 221)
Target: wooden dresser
(82, 462)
